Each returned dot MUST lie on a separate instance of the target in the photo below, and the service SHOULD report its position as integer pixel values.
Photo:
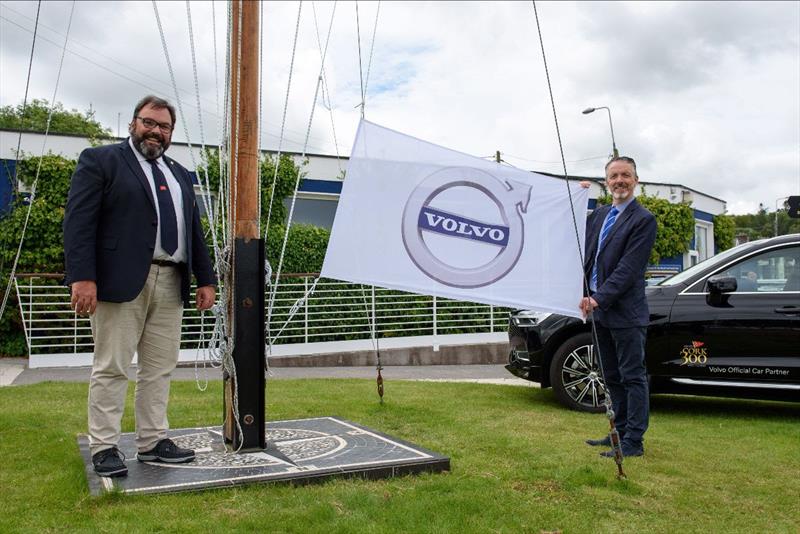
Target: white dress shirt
(177, 200)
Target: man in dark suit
(619, 239)
(132, 240)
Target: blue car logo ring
(419, 216)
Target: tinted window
(768, 272)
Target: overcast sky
(704, 94)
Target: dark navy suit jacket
(621, 265)
(110, 225)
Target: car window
(694, 270)
(770, 272)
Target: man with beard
(619, 239)
(132, 240)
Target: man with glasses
(132, 240)
(619, 239)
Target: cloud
(701, 93)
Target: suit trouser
(149, 325)
(625, 371)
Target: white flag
(426, 219)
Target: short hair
(156, 103)
(624, 159)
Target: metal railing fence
(336, 311)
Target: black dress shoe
(110, 463)
(603, 442)
(627, 450)
(166, 451)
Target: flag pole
(244, 391)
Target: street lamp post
(613, 142)
(785, 205)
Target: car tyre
(575, 375)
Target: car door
(751, 334)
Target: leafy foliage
(42, 250)
(62, 121)
(287, 177)
(305, 248)
(675, 223)
(762, 224)
(724, 230)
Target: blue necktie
(604, 231)
(166, 210)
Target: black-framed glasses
(150, 124)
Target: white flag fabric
(422, 218)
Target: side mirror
(722, 284)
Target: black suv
(728, 326)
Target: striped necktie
(604, 231)
(166, 211)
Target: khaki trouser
(149, 325)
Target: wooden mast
(244, 390)
(244, 119)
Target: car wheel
(575, 375)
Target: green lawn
(518, 465)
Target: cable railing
(336, 311)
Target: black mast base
(249, 384)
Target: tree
(675, 225)
(287, 177)
(43, 248)
(724, 232)
(762, 224)
(34, 119)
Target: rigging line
(174, 85)
(220, 212)
(260, 106)
(283, 123)
(552, 162)
(609, 411)
(371, 49)
(274, 291)
(38, 167)
(95, 63)
(202, 174)
(202, 170)
(94, 52)
(25, 101)
(325, 87)
(360, 73)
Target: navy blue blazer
(621, 265)
(110, 225)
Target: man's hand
(587, 305)
(84, 297)
(205, 297)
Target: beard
(621, 194)
(147, 150)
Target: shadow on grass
(692, 405)
(685, 404)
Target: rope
(325, 88)
(13, 271)
(283, 122)
(220, 347)
(202, 175)
(360, 73)
(25, 102)
(274, 289)
(371, 50)
(609, 411)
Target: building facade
(323, 176)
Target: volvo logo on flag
(481, 212)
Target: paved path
(14, 371)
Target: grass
(518, 465)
